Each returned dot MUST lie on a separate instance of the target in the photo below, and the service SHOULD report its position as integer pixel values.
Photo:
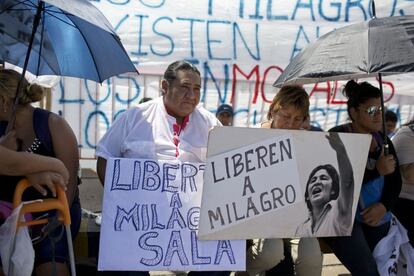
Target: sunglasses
(373, 110)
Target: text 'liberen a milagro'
(254, 180)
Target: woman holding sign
(288, 110)
(329, 196)
(380, 187)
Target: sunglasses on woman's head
(373, 110)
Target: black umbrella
(380, 46)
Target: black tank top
(42, 144)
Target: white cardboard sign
(256, 186)
(150, 218)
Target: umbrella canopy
(72, 38)
(380, 45)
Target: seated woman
(50, 171)
(44, 133)
(381, 184)
(288, 110)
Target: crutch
(60, 204)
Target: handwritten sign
(251, 166)
(150, 218)
(268, 183)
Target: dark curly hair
(359, 93)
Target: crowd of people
(43, 148)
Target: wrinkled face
(182, 95)
(225, 118)
(288, 117)
(320, 188)
(368, 115)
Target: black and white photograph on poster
(329, 194)
(281, 183)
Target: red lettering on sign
(264, 81)
(255, 71)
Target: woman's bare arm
(23, 163)
(66, 149)
(346, 175)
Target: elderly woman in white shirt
(288, 110)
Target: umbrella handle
(386, 148)
(60, 204)
(384, 129)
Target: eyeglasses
(373, 110)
